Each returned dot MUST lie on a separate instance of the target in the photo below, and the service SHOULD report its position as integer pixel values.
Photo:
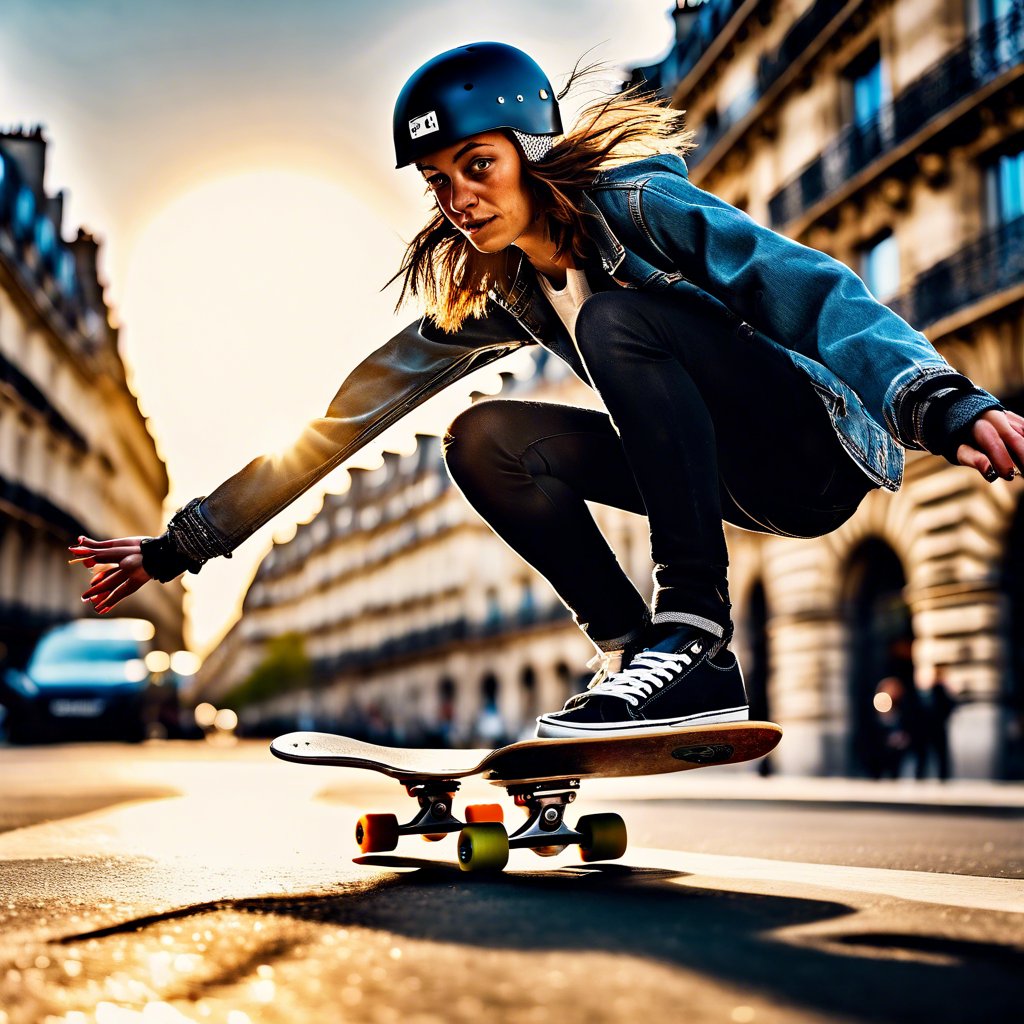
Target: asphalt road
(190, 882)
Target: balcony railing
(26, 503)
(770, 69)
(987, 54)
(992, 263)
(684, 55)
(424, 640)
(32, 396)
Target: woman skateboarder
(746, 378)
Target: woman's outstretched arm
(818, 306)
(417, 363)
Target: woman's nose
(463, 197)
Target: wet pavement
(180, 882)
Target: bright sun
(247, 300)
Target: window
(867, 95)
(66, 277)
(989, 10)
(1006, 188)
(493, 614)
(527, 604)
(867, 91)
(997, 43)
(24, 212)
(880, 266)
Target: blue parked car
(89, 679)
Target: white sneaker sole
(548, 728)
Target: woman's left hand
(998, 445)
(119, 573)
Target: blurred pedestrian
(938, 707)
(746, 377)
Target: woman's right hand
(119, 573)
(998, 449)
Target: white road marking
(707, 870)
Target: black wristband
(949, 421)
(163, 561)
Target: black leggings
(706, 424)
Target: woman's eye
(435, 182)
(481, 163)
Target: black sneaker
(687, 677)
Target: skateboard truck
(433, 821)
(598, 836)
(435, 815)
(545, 831)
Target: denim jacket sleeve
(403, 373)
(804, 299)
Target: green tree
(285, 668)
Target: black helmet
(472, 89)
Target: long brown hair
(452, 279)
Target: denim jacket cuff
(913, 398)
(194, 535)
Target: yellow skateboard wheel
(604, 836)
(483, 846)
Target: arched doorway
(489, 730)
(881, 639)
(566, 687)
(528, 682)
(445, 724)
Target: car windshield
(62, 648)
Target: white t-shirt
(567, 301)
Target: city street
(174, 882)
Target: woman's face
(478, 184)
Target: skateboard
(541, 775)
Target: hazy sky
(235, 158)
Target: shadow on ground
(733, 938)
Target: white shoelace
(647, 672)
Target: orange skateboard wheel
(484, 812)
(434, 837)
(376, 833)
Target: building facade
(889, 134)
(76, 456)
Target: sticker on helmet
(423, 125)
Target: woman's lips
(473, 227)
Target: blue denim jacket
(656, 230)
(653, 229)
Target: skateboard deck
(542, 775)
(542, 760)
